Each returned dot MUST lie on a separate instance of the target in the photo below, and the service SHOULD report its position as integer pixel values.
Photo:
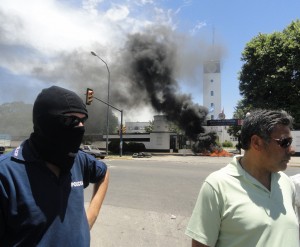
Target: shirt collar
(25, 153)
(234, 168)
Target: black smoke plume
(151, 61)
(144, 71)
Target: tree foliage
(270, 75)
(239, 113)
(175, 128)
(130, 147)
(149, 128)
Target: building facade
(136, 127)
(159, 140)
(212, 98)
(212, 88)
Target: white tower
(212, 97)
(212, 88)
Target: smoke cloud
(148, 68)
(151, 63)
(144, 74)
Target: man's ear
(257, 143)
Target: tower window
(211, 104)
(211, 93)
(211, 80)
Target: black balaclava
(53, 141)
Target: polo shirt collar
(24, 153)
(234, 168)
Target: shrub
(136, 147)
(114, 146)
(227, 144)
(131, 147)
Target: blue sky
(49, 42)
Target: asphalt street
(149, 201)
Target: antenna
(213, 36)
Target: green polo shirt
(234, 209)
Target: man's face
(277, 152)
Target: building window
(212, 117)
(212, 105)
(211, 93)
(211, 80)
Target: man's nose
(291, 150)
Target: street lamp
(108, 86)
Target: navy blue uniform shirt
(39, 209)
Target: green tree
(149, 128)
(114, 146)
(270, 75)
(239, 113)
(175, 128)
(135, 147)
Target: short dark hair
(261, 122)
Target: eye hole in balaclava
(53, 140)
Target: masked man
(42, 181)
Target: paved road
(149, 201)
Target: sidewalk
(127, 227)
(294, 161)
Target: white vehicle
(94, 151)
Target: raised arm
(98, 196)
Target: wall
(296, 141)
(212, 82)
(159, 141)
(136, 127)
(5, 143)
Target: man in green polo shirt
(250, 202)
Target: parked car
(93, 151)
(2, 150)
(142, 155)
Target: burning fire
(220, 153)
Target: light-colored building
(5, 140)
(212, 100)
(160, 139)
(136, 127)
(212, 88)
